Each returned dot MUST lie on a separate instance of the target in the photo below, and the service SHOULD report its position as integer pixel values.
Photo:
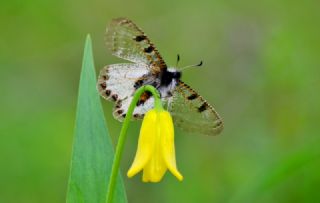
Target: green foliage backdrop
(261, 72)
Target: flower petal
(146, 143)
(156, 167)
(167, 144)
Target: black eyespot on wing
(114, 97)
(140, 38)
(193, 96)
(103, 85)
(108, 92)
(120, 111)
(138, 84)
(149, 49)
(203, 107)
(105, 77)
(138, 116)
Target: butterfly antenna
(178, 59)
(192, 66)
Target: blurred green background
(261, 71)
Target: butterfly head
(174, 73)
(170, 75)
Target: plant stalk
(123, 136)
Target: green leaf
(92, 148)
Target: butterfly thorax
(170, 75)
(165, 82)
(169, 80)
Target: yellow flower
(156, 152)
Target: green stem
(123, 135)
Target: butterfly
(118, 82)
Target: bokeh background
(261, 72)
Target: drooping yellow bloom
(156, 152)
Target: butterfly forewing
(127, 41)
(192, 113)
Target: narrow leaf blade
(92, 148)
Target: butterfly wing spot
(138, 116)
(117, 114)
(203, 107)
(120, 111)
(140, 38)
(114, 97)
(118, 105)
(149, 49)
(193, 96)
(138, 83)
(108, 92)
(104, 77)
(144, 97)
(103, 85)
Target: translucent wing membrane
(192, 113)
(127, 41)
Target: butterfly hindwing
(117, 83)
(192, 113)
(127, 41)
